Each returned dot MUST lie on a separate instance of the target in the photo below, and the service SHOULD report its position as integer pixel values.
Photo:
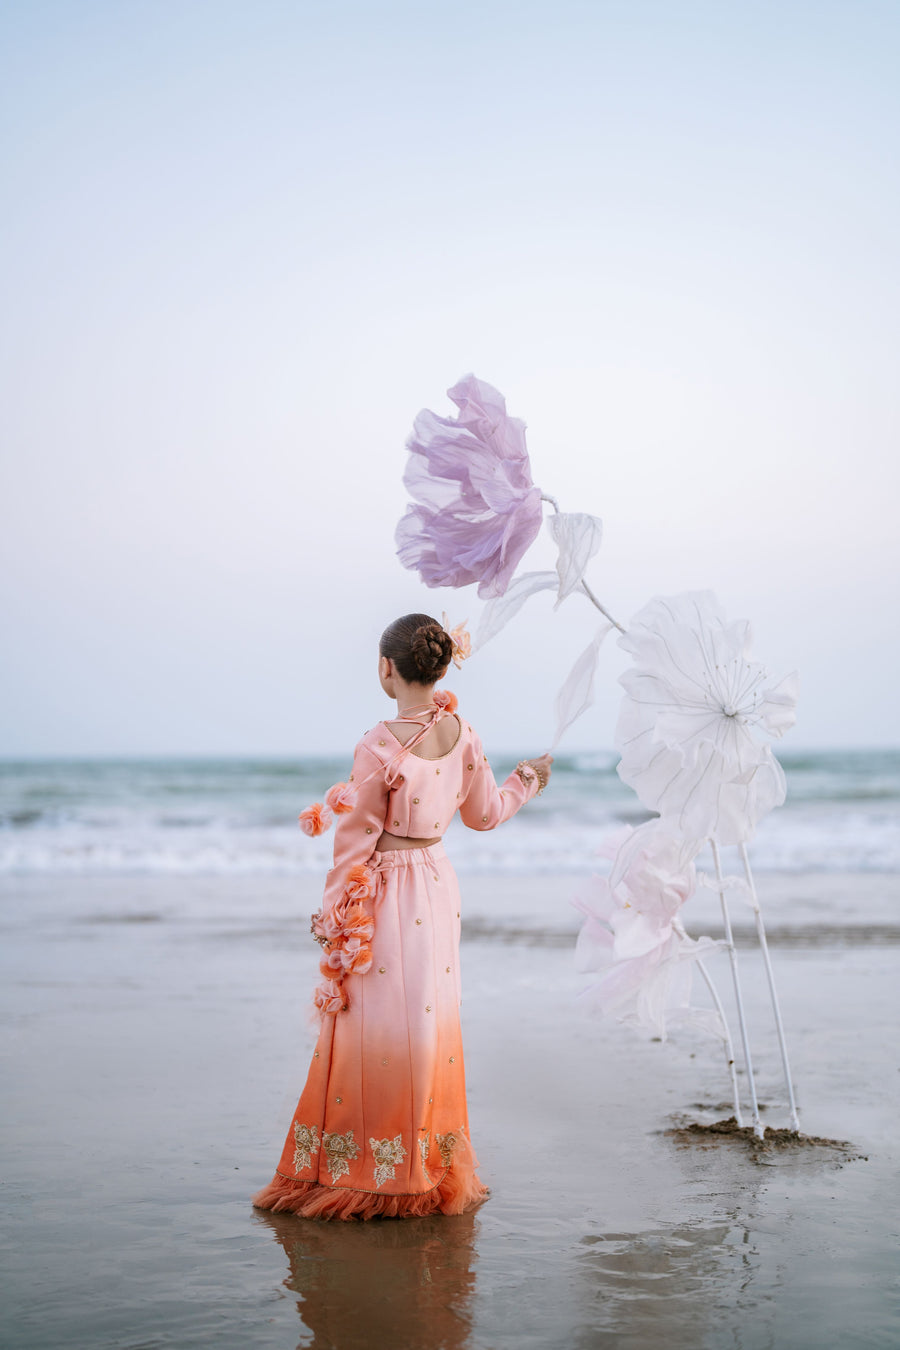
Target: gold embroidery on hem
(340, 1151)
(306, 1139)
(446, 1144)
(387, 1153)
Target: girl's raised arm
(485, 805)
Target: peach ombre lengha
(382, 1126)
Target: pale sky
(243, 244)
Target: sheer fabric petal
(498, 612)
(577, 692)
(577, 536)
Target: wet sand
(156, 1037)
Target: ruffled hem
(458, 1190)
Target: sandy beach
(156, 1037)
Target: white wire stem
(545, 497)
(729, 1044)
(732, 956)
(770, 976)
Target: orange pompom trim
(316, 819)
(341, 798)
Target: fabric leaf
(498, 612)
(577, 694)
(577, 536)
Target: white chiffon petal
(498, 612)
(577, 536)
(577, 693)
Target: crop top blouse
(416, 798)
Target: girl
(382, 1125)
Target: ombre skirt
(382, 1126)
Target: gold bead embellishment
(381, 970)
(316, 1055)
(396, 822)
(437, 770)
(400, 779)
(428, 1007)
(381, 742)
(384, 1061)
(448, 970)
(430, 1100)
(368, 829)
(351, 778)
(484, 818)
(436, 877)
(339, 1100)
(470, 766)
(415, 801)
(452, 1060)
(437, 824)
(418, 920)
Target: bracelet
(528, 771)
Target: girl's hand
(541, 765)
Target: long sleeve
(357, 832)
(486, 806)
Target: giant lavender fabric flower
(691, 718)
(475, 508)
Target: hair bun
(431, 650)
(419, 646)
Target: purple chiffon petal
(475, 509)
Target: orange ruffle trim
(458, 1190)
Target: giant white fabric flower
(631, 935)
(693, 715)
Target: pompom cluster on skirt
(382, 1126)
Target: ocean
(238, 816)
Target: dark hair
(419, 647)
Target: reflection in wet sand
(662, 1289)
(688, 1285)
(405, 1284)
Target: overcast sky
(243, 244)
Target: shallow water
(152, 1067)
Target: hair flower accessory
(461, 639)
(445, 700)
(316, 819)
